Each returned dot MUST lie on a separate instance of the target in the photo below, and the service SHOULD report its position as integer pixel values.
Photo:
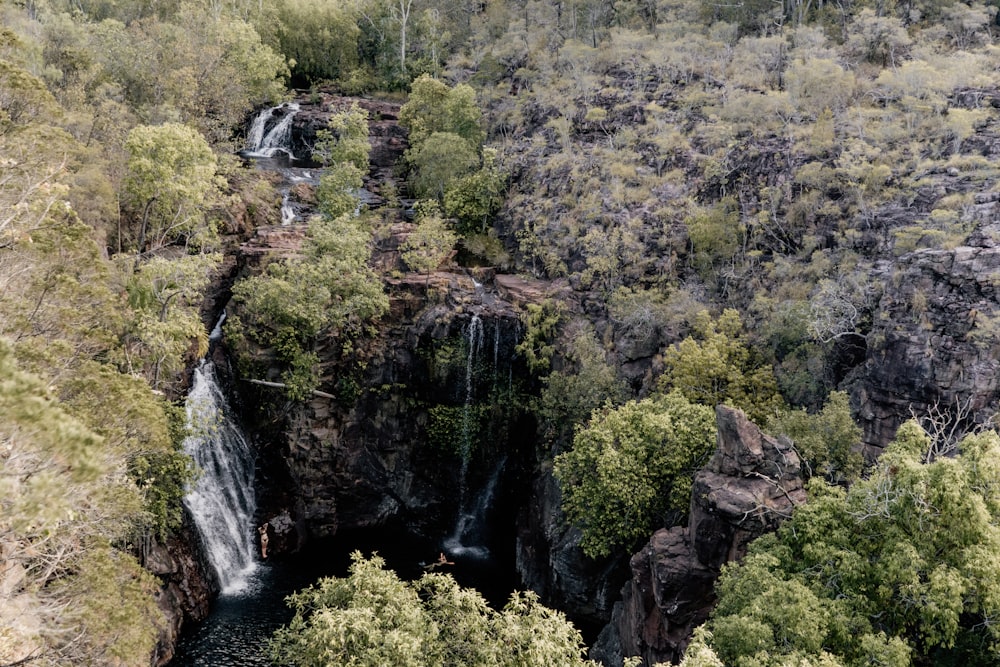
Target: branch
(282, 385)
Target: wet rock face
(382, 448)
(187, 587)
(750, 485)
(934, 343)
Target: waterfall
(468, 538)
(287, 211)
(265, 141)
(221, 501)
(474, 341)
(255, 137)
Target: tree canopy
(372, 618)
(897, 570)
(631, 466)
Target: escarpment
(437, 401)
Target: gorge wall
(388, 442)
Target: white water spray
(222, 500)
(266, 137)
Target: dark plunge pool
(239, 625)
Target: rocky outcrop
(387, 137)
(551, 563)
(751, 484)
(935, 342)
(187, 587)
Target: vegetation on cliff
(725, 189)
(898, 570)
(112, 194)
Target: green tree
(473, 199)
(824, 440)
(337, 194)
(329, 292)
(345, 138)
(439, 161)
(64, 498)
(372, 618)
(429, 244)
(169, 186)
(572, 394)
(631, 468)
(541, 325)
(717, 366)
(166, 331)
(344, 148)
(319, 37)
(897, 570)
(434, 107)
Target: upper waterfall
(271, 131)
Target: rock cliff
(750, 485)
(933, 344)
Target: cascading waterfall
(466, 540)
(474, 341)
(462, 541)
(287, 212)
(264, 142)
(222, 500)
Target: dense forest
(741, 192)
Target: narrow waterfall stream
(221, 501)
(269, 145)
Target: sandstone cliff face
(187, 589)
(751, 484)
(934, 340)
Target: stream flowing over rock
(751, 484)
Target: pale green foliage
(438, 161)
(541, 323)
(206, 70)
(699, 653)
(445, 136)
(476, 197)
(23, 97)
(630, 467)
(320, 37)
(434, 107)
(716, 234)
(165, 295)
(824, 440)
(371, 618)
(898, 570)
(346, 139)
(331, 291)
(169, 184)
(63, 498)
(882, 40)
(345, 149)
(571, 395)
(428, 245)
(716, 366)
(337, 193)
(819, 84)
